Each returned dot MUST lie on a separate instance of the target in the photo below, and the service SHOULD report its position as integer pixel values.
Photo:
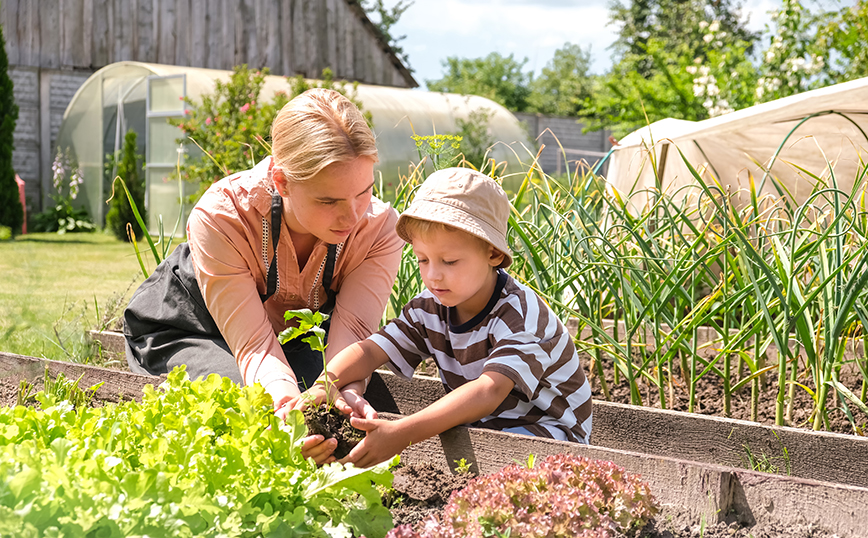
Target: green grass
(53, 286)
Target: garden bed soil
(709, 399)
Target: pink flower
(207, 121)
(245, 108)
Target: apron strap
(276, 212)
(327, 274)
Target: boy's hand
(384, 439)
(355, 404)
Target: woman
(299, 230)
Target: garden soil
(709, 399)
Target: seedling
(326, 421)
(25, 392)
(62, 389)
(309, 327)
(462, 467)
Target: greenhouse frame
(143, 97)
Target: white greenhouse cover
(737, 146)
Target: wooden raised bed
(688, 483)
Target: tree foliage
(387, 18)
(229, 130)
(129, 168)
(499, 78)
(11, 211)
(564, 84)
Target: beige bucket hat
(464, 199)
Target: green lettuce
(193, 458)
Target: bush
(63, 216)
(565, 496)
(11, 212)
(232, 126)
(128, 168)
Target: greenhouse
(143, 97)
(780, 145)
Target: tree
(11, 211)
(228, 130)
(687, 59)
(564, 83)
(128, 169)
(496, 77)
(842, 35)
(385, 19)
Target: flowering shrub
(230, 129)
(64, 217)
(565, 496)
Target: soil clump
(330, 423)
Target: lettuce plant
(564, 496)
(201, 458)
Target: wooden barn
(55, 45)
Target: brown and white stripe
(519, 337)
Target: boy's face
(458, 269)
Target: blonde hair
(317, 128)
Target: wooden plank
(350, 25)
(242, 54)
(49, 40)
(330, 32)
(286, 50)
(686, 436)
(9, 16)
(164, 12)
(28, 34)
(84, 55)
(214, 37)
(299, 37)
(271, 48)
(99, 36)
(181, 25)
(314, 49)
(710, 493)
(205, 21)
(69, 30)
(228, 42)
(146, 50)
(123, 31)
(116, 384)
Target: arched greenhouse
(142, 97)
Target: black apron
(167, 323)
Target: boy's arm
(468, 403)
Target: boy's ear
(495, 257)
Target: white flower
(715, 26)
(691, 69)
(703, 24)
(707, 38)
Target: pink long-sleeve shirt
(226, 236)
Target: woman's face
(331, 203)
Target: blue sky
(532, 29)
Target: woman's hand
(319, 448)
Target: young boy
(507, 362)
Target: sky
(532, 29)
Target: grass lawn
(52, 286)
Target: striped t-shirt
(516, 335)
